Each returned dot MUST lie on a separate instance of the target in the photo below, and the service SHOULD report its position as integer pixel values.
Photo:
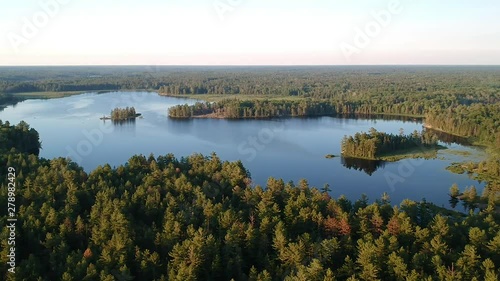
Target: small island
(119, 114)
(390, 147)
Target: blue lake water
(291, 148)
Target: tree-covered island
(376, 145)
(118, 114)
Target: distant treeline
(375, 144)
(375, 85)
(26, 87)
(70, 78)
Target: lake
(291, 149)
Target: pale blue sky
(252, 32)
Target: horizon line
(237, 65)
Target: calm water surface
(286, 148)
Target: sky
(249, 32)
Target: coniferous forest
(199, 218)
(265, 141)
(19, 138)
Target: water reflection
(466, 204)
(126, 126)
(449, 138)
(453, 202)
(124, 122)
(181, 126)
(367, 166)
(380, 117)
(469, 206)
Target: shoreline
(63, 94)
(341, 116)
(428, 126)
(413, 153)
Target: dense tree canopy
(18, 138)
(479, 121)
(199, 218)
(381, 85)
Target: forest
(374, 144)
(480, 121)
(18, 138)
(382, 84)
(199, 218)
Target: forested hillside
(199, 218)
